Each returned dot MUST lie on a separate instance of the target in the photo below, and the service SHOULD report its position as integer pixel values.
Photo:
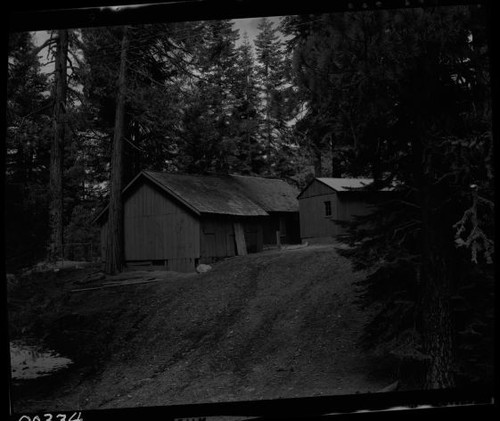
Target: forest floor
(276, 324)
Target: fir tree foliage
(209, 139)
(277, 101)
(28, 133)
(245, 115)
(417, 78)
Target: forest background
(402, 96)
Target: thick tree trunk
(436, 303)
(437, 326)
(56, 150)
(114, 247)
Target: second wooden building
(326, 200)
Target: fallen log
(116, 284)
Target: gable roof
(345, 184)
(341, 185)
(272, 194)
(208, 194)
(224, 195)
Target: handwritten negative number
(75, 416)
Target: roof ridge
(264, 177)
(344, 178)
(190, 175)
(257, 176)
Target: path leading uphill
(276, 324)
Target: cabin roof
(225, 194)
(208, 194)
(341, 185)
(345, 184)
(272, 194)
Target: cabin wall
(157, 228)
(344, 206)
(313, 221)
(350, 205)
(217, 239)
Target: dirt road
(264, 326)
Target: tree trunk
(335, 160)
(114, 247)
(269, 149)
(56, 150)
(318, 168)
(437, 325)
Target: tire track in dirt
(261, 326)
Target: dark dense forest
(402, 96)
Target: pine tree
(28, 134)
(114, 245)
(54, 120)
(209, 142)
(57, 146)
(271, 76)
(245, 119)
(412, 76)
(330, 53)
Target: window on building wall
(328, 208)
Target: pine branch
(134, 146)
(446, 175)
(49, 42)
(476, 236)
(75, 57)
(73, 71)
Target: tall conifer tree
(271, 81)
(208, 134)
(411, 82)
(27, 145)
(245, 113)
(114, 246)
(57, 146)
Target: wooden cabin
(179, 221)
(325, 200)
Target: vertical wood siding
(349, 205)
(157, 228)
(313, 222)
(217, 239)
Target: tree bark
(114, 246)
(335, 160)
(56, 150)
(437, 327)
(437, 324)
(318, 165)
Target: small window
(328, 208)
